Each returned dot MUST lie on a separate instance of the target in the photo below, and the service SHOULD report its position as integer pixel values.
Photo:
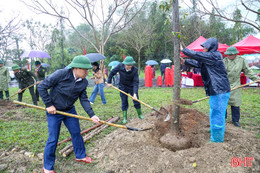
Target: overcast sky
(14, 8)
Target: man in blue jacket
(129, 83)
(215, 81)
(66, 86)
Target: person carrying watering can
(128, 82)
(66, 86)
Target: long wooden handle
(22, 90)
(80, 117)
(231, 90)
(137, 100)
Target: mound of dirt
(6, 106)
(129, 151)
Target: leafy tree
(115, 58)
(238, 26)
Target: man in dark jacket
(163, 67)
(215, 81)
(25, 79)
(66, 86)
(40, 73)
(129, 83)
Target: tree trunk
(62, 43)
(139, 59)
(102, 63)
(177, 64)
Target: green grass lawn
(27, 128)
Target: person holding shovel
(216, 83)
(25, 78)
(66, 87)
(129, 83)
(235, 65)
(40, 73)
(4, 80)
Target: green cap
(231, 51)
(80, 62)
(37, 63)
(1, 62)
(129, 61)
(15, 67)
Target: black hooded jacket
(212, 67)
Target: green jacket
(4, 78)
(25, 78)
(234, 69)
(41, 73)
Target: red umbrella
(249, 45)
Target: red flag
(84, 50)
(28, 66)
(123, 57)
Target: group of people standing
(219, 76)
(68, 85)
(64, 87)
(24, 78)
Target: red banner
(84, 50)
(28, 66)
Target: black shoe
(237, 124)
(17, 105)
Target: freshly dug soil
(145, 151)
(128, 151)
(6, 106)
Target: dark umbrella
(151, 62)
(94, 57)
(45, 65)
(113, 63)
(35, 54)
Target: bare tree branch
(249, 9)
(204, 10)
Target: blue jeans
(98, 88)
(218, 105)
(54, 123)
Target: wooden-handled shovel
(22, 90)
(168, 116)
(231, 90)
(81, 117)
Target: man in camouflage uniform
(24, 78)
(234, 65)
(4, 80)
(40, 73)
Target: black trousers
(124, 98)
(2, 94)
(37, 93)
(31, 89)
(235, 112)
(163, 75)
